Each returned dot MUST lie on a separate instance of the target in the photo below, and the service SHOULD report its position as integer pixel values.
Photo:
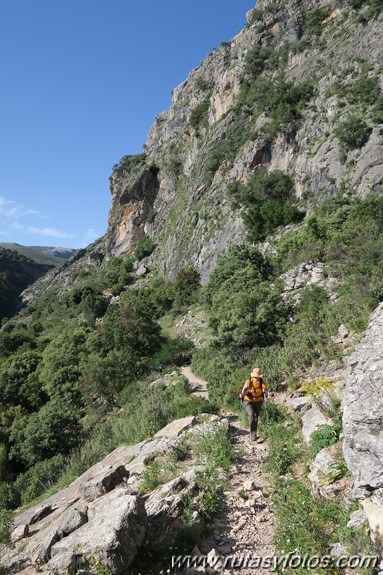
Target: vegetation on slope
(71, 363)
(16, 273)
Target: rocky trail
(243, 530)
(199, 385)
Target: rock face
(115, 529)
(363, 407)
(177, 195)
(363, 423)
(312, 420)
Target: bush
(285, 448)
(16, 381)
(199, 115)
(39, 478)
(373, 7)
(353, 133)
(6, 518)
(269, 202)
(128, 163)
(8, 496)
(144, 247)
(130, 326)
(117, 274)
(215, 449)
(173, 352)
(256, 60)
(256, 15)
(314, 19)
(186, 285)
(53, 430)
(323, 437)
(365, 91)
(304, 524)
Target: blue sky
(81, 84)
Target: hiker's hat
(256, 372)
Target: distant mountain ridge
(20, 266)
(42, 254)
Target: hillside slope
(16, 273)
(42, 254)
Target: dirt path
(199, 385)
(243, 529)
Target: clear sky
(81, 84)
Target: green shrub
(104, 377)
(215, 450)
(269, 202)
(144, 247)
(255, 16)
(199, 115)
(173, 352)
(39, 478)
(6, 518)
(353, 133)
(130, 326)
(284, 448)
(256, 60)
(323, 437)
(314, 19)
(128, 164)
(373, 8)
(304, 524)
(365, 91)
(117, 274)
(54, 429)
(186, 285)
(151, 477)
(8, 496)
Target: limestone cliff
(214, 133)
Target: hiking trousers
(253, 411)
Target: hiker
(252, 394)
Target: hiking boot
(253, 437)
(259, 440)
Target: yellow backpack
(254, 391)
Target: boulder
(70, 521)
(19, 533)
(373, 508)
(312, 419)
(363, 407)
(299, 404)
(357, 519)
(116, 527)
(319, 470)
(175, 428)
(165, 508)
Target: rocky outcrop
(133, 194)
(325, 463)
(115, 529)
(105, 516)
(363, 407)
(362, 423)
(308, 274)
